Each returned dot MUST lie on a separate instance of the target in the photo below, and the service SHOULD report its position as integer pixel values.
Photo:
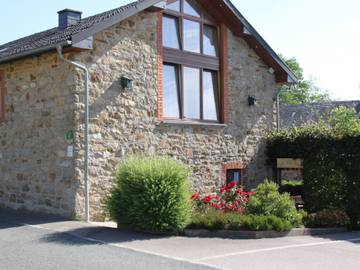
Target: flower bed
(230, 198)
(231, 208)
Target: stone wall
(44, 100)
(34, 170)
(125, 122)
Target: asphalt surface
(29, 241)
(31, 247)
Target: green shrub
(216, 220)
(213, 220)
(308, 219)
(151, 194)
(331, 157)
(331, 218)
(266, 223)
(267, 201)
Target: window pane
(190, 8)
(170, 33)
(210, 40)
(171, 100)
(233, 175)
(191, 93)
(191, 36)
(210, 96)
(173, 5)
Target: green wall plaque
(70, 137)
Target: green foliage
(268, 201)
(293, 187)
(305, 91)
(151, 194)
(345, 120)
(324, 186)
(329, 218)
(216, 220)
(266, 223)
(331, 163)
(308, 219)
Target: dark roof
(298, 115)
(49, 39)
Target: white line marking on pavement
(276, 248)
(121, 246)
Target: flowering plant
(230, 198)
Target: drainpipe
(86, 130)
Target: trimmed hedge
(216, 220)
(331, 166)
(151, 194)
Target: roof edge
(291, 76)
(114, 20)
(34, 52)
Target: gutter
(86, 129)
(34, 51)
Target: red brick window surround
(192, 64)
(2, 96)
(233, 168)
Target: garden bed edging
(262, 234)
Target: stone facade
(45, 99)
(34, 170)
(125, 122)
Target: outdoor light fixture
(126, 83)
(252, 100)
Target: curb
(262, 234)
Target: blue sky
(324, 35)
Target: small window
(173, 5)
(171, 91)
(191, 36)
(191, 93)
(210, 40)
(233, 175)
(190, 8)
(210, 93)
(170, 32)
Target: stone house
(189, 79)
(297, 115)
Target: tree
(344, 120)
(305, 91)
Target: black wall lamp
(126, 83)
(252, 100)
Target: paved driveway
(30, 241)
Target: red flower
(195, 197)
(231, 185)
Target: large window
(191, 63)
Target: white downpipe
(86, 129)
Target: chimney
(68, 17)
